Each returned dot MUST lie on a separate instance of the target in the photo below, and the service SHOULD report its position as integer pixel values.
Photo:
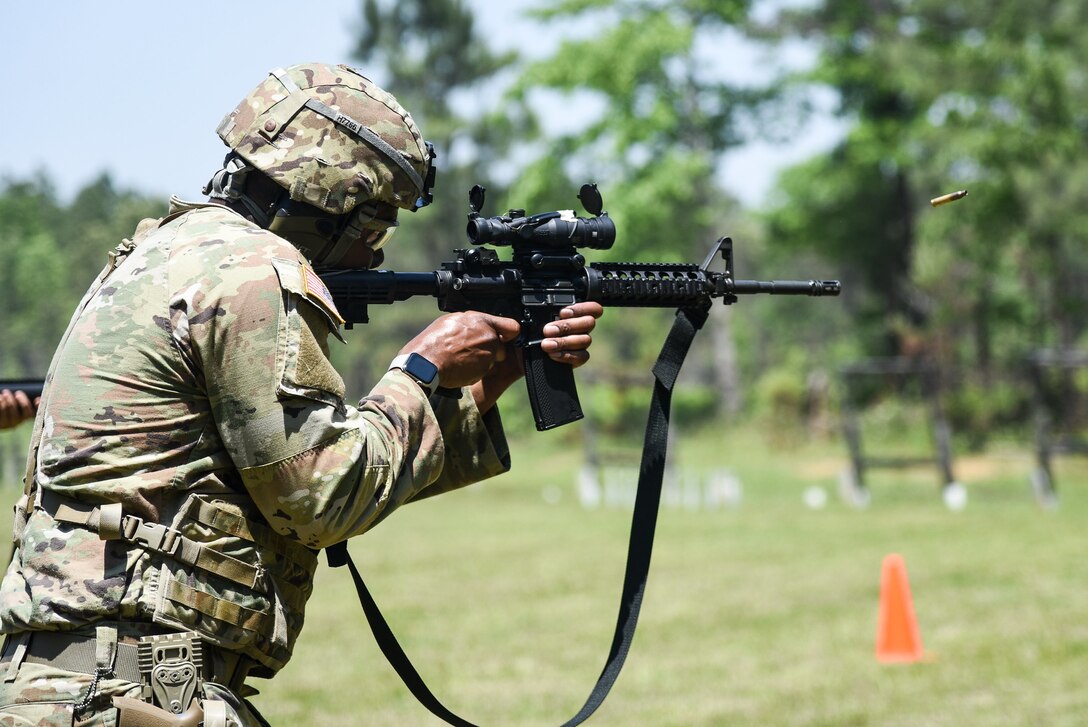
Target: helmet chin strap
(339, 249)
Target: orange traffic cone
(897, 638)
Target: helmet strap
(229, 185)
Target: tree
(664, 116)
(973, 94)
(49, 254)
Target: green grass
(764, 614)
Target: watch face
(421, 369)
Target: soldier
(15, 408)
(196, 449)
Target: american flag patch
(316, 291)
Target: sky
(136, 88)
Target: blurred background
(936, 409)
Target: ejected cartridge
(946, 198)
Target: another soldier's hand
(465, 347)
(15, 407)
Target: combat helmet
(332, 140)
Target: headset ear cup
(426, 196)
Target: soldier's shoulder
(215, 236)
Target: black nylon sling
(643, 525)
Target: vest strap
(110, 522)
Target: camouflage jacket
(192, 390)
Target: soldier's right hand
(464, 346)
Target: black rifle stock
(545, 274)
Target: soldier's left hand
(566, 339)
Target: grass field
(760, 614)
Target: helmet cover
(332, 138)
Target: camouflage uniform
(193, 388)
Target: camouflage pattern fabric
(45, 696)
(319, 162)
(193, 387)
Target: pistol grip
(553, 394)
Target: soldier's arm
(319, 469)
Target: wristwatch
(419, 368)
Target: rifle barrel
(815, 288)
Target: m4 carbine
(545, 274)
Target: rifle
(31, 387)
(545, 274)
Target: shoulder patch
(314, 288)
(294, 279)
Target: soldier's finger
(585, 308)
(574, 358)
(582, 324)
(567, 343)
(506, 328)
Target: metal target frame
(927, 373)
(1053, 437)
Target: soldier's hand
(15, 407)
(465, 347)
(566, 339)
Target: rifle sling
(643, 525)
